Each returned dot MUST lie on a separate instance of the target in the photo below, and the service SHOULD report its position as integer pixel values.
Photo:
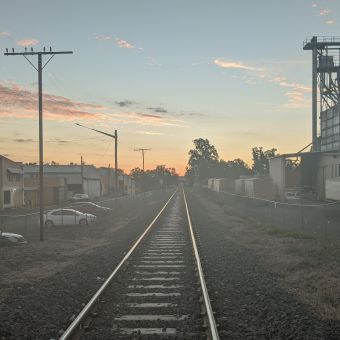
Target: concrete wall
(92, 187)
(223, 184)
(239, 186)
(260, 187)
(277, 172)
(328, 167)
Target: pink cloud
(22, 103)
(4, 34)
(123, 43)
(27, 42)
(19, 102)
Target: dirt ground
(307, 270)
(37, 260)
(63, 246)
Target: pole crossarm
(37, 53)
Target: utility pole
(142, 150)
(115, 137)
(39, 69)
(82, 173)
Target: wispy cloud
(234, 65)
(21, 140)
(27, 42)
(282, 81)
(22, 103)
(324, 11)
(314, 5)
(124, 43)
(5, 34)
(149, 115)
(150, 133)
(296, 100)
(124, 103)
(157, 109)
(19, 102)
(330, 22)
(103, 37)
(297, 94)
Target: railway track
(158, 289)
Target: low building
(308, 177)
(11, 183)
(77, 179)
(55, 191)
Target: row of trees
(160, 177)
(204, 162)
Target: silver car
(67, 217)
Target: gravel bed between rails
(249, 299)
(40, 309)
(114, 301)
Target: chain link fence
(320, 222)
(28, 224)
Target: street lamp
(115, 137)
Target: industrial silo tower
(325, 92)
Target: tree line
(159, 178)
(204, 162)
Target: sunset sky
(162, 73)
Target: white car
(292, 195)
(67, 217)
(10, 239)
(79, 197)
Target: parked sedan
(90, 207)
(67, 217)
(10, 239)
(79, 197)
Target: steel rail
(211, 319)
(74, 326)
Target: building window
(7, 197)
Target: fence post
(25, 228)
(301, 216)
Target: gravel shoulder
(44, 283)
(266, 284)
